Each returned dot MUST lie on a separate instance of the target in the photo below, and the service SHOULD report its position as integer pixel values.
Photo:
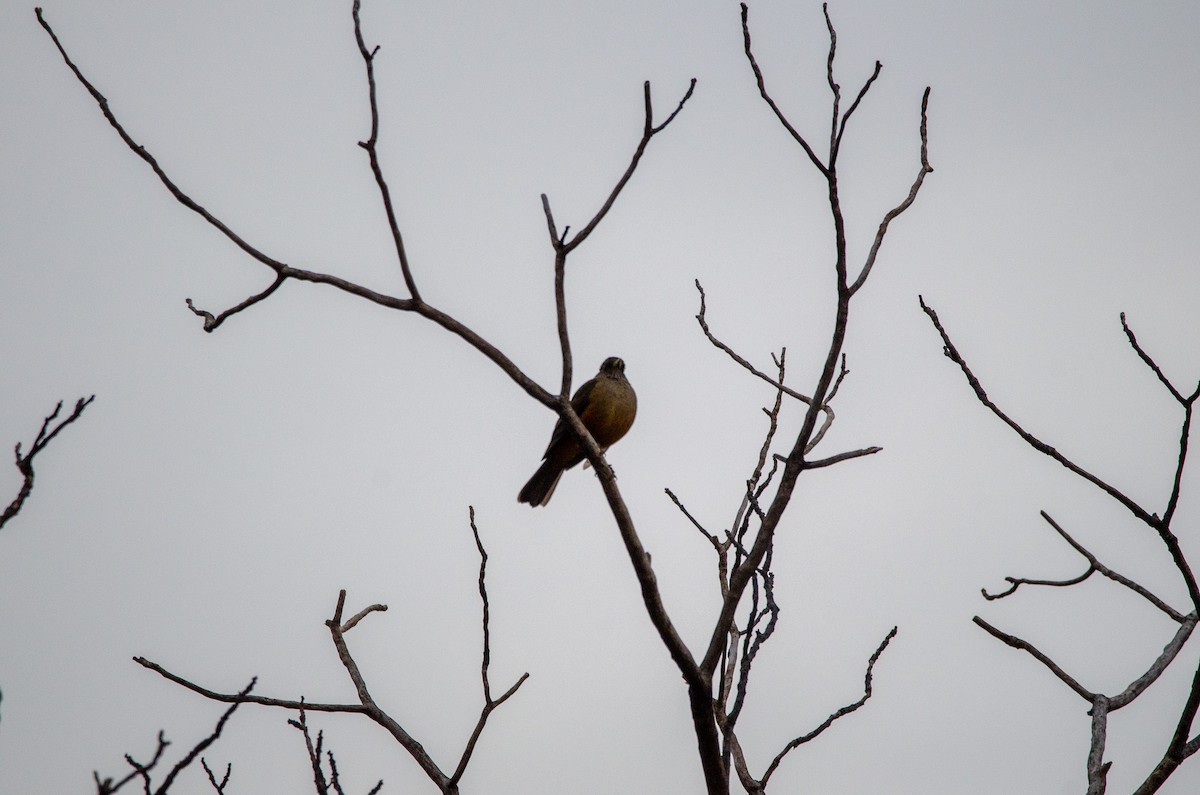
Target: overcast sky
(223, 487)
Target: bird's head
(613, 365)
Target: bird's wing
(579, 402)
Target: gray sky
(222, 488)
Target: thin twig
(846, 710)
(142, 771)
(212, 778)
(24, 463)
(211, 322)
(906, 203)
(489, 703)
(762, 90)
(369, 146)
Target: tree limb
(24, 463)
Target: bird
(607, 406)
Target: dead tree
(1183, 743)
(716, 674)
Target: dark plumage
(607, 406)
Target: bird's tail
(540, 487)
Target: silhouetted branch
(338, 627)
(846, 710)
(1149, 362)
(1168, 655)
(563, 247)
(1024, 645)
(142, 771)
(211, 322)
(762, 90)
(1184, 433)
(283, 270)
(1180, 746)
(951, 352)
(219, 788)
(795, 462)
(323, 785)
(1094, 566)
(489, 703)
(24, 462)
(369, 145)
(827, 409)
(908, 200)
(817, 463)
(701, 318)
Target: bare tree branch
(284, 271)
(338, 627)
(817, 463)
(563, 247)
(211, 323)
(908, 200)
(1113, 575)
(762, 90)
(323, 785)
(219, 788)
(490, 704)
(1149, 362)
(701, 318)
(952, 353)
(1161, 526)
(25, 462)
(1179, 747)
(142, 771)
(1168, 655)
(846, 710)
(649, 130)
(1024, 645)
(1097, 768)
(369, 145)
(795, 462)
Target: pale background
(209, 505)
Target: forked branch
(338, 627)
(24, 462)
(142, 771)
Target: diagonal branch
(1024, 645)
(908, 200)
(107, 786)
(238, 698)
(762, 90)
(1160, 526)
(1149, 362)
(1168, 655)
(701, 318)
(846, 710)
(952, 353)
(563, 247)
(211, 322)
(490, 704)
(141, 152)
(649, 130)
(1113, 575)
(369, 146)
(837, 141)
(24, 463)
(284, 271)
